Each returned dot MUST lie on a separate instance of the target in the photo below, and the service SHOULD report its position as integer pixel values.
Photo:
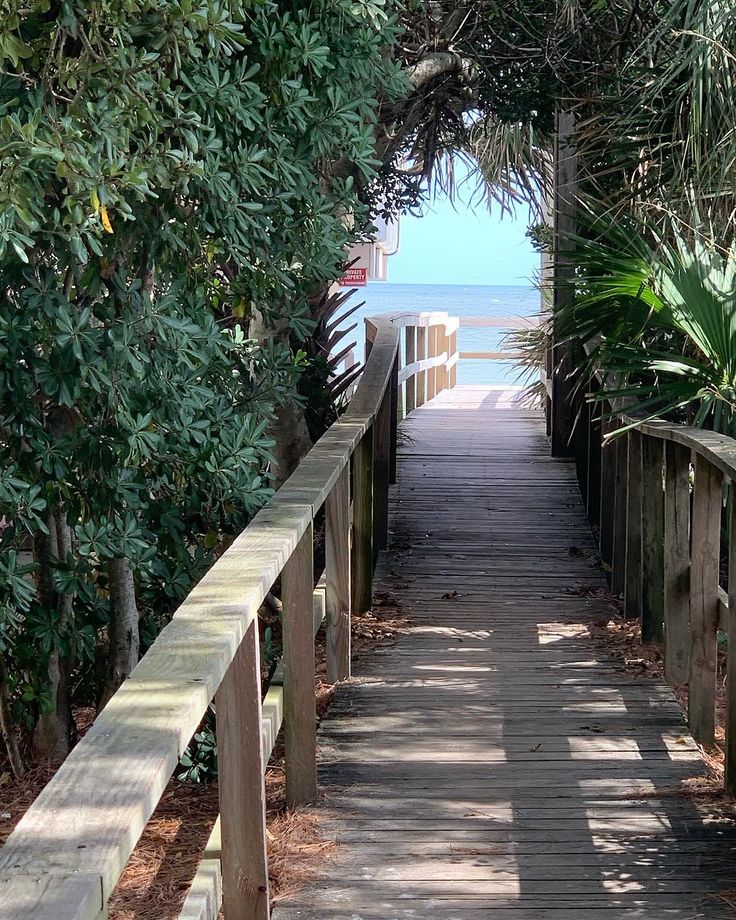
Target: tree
(161, 182)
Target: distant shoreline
(469, 284)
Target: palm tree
(661, 318)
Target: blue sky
(454, 244)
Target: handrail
(718, 449)
(657, 495)
(66, 854)
(499, 322)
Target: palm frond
(513, 163)
(664, 319)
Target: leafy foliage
(198, 763)
(663, 317)
(165, 170)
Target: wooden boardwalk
(494, 762)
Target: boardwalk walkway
(494, 758)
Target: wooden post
(632, 590)
(337, 575)
(432, 372)
(300, 710)
(548, 388)
(411, 357)
(620, 506)
(546, 277)
(370, 337)
(362, 554)
(453, 352)
(421, 355)
(606, 504)
(594, 465)
(565, 208)
(381, 473)
(242, 784)
(652, 540)
(730, 713)
(394, 421)
(442, 347)
(581, 438)
(704, 567)
(677, 563)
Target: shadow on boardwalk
(495, 758)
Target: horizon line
(452, 283)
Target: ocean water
(457, 300)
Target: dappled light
(439, 622)
(499, 759)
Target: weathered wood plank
(410, 397)
(730, 714)
(452, 360)
(704, 566)
(395, 393)
(300, 711)
(337, 572)
(564, 213)
(362, 543)
(652, 540)
(432, 351)
(241, 784)
(606, 506)
(204, 899)
(677, 563)
(620, 504)
(633, 585)
(381, 475)
(421, 377)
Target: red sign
(354, 277)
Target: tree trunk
(124, 637)
(289, 427)
(54, 732)
(7, 728)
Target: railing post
(594, 465)
(370, 337)
(730, 714)
(581, 437)
(242, 785)
(607, 500)
(704, 568)
(632, 591)
(563, 272)
(362, 555)
(620, 507)
(394, 432)
(677, 563)
(381, 473)
(421, 388)
(337, 574)
(300, 710)
(453, 352)
(432, 372)
(442, 347)
(652, 540)
(410, 397)
(548, 372)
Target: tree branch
(436, 64)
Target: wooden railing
(657, 495)
(507, 323)
(422, 377)
(69, 850)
